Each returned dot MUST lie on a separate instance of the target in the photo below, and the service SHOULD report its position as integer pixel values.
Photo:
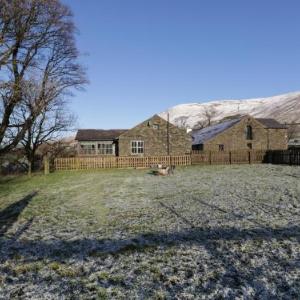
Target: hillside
(285, 108)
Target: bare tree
(53, 121)
(200, 124)
(181, 122)
(36, 41)
(208, 114)
(206, 117)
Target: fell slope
(284, 108)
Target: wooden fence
(291, 157)
(83, 163)
(228, 157)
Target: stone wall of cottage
(154, 134)
(263, 138)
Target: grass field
(206, 232)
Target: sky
(144, 56)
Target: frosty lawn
(216, 231)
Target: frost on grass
(206, 232)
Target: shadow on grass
(10, 214)
(174, 212)
(236, 270)
(6, 179)
(82, 248)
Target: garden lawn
(205, 232)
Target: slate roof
(98, 134)
(200, 136)
(271, 123)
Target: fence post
(230, 157)
(209, 157)
(249, 157)
(46, 165)
(270, 159)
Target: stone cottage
(153, 137)
(244, 133)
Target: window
(155, 126)
(88, 148)
(249, 135)
(137, 147)
(105, 149)
(198, 147)
(221, 147)
(249, 145)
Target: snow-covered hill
(284, 108)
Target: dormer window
(249, 133)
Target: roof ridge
(102, 129)
(98, 134)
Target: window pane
(105, 149)
(137, 147)
(249, 132)
(109, 149)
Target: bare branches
(36, 43)
(48, 125)
(207, 116)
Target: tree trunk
(30, 164)
(29, 172)
(30, 153)
(46, 164)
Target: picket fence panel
(291, 157)
(98, 162)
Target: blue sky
(146, 56)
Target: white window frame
(139, 146)
(105, 149)
(88, 148)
